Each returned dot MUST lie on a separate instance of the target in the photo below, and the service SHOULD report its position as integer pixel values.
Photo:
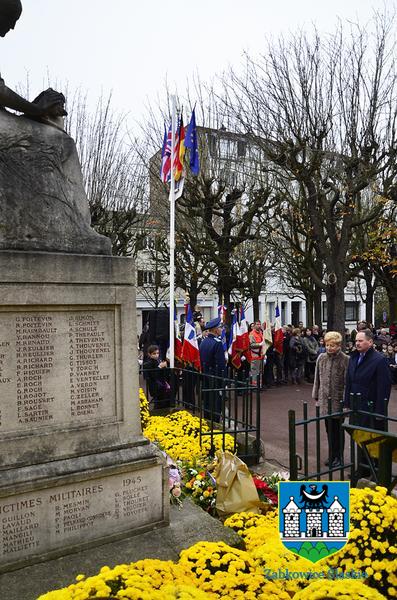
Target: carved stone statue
(43, 204)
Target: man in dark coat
(213, 362)
(368, 375)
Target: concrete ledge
(56, 267)
(187, 526)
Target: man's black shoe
(326, 462)
(336, 462)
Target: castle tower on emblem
(291, 519)
(313, 522)
(335, 519)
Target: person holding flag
(257, 345)
(213, 362)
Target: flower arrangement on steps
(216, 570)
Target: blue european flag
(224, 341)
(191, 143)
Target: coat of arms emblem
(314, 517)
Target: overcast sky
(132, 46)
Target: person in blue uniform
(213, 363)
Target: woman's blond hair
(333, 336)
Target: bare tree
(220, 208)
(324, 112)
(114, 173)
(253, 261)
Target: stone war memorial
(75, 470)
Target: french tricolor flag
(278, 333)
(243, 340)
(190, 349)
(235, 356)
(178, 341)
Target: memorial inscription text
(56, 367)
(51, 518)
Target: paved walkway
(275, 404)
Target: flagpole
(172, 236)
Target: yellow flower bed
(347, 590)
(226, 572)
(372, 544)
(144, 408)
(178, 435)
(148, 579)
(253, 528)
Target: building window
(149, 278)
(325, 312)
(212, 143)
(149, 242)
(241, 148)
(146, 242)
(351, 311)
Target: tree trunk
(392, 297)
(369, 297)
(318, 309)
(193, 295)
(309, 310)
(336, 307)
(255, 306)
(369, 304)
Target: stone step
(187, 526)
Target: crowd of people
(364, 364)
(301, 348)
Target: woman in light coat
(328, 391)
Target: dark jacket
(212, 356)
(156, 379)
(371, 378)
(297, 355)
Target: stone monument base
(75, 469)
(65, 506)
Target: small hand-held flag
(191, 142)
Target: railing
(226, 405)
(308, 464)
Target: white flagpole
(172, 236)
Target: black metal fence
(306, 443)
(226, 405)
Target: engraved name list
(56, 367)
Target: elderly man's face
(362, 343)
